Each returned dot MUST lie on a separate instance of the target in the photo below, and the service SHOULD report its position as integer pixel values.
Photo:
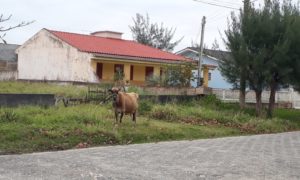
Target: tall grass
(30, 128)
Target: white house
(70, 57)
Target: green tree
(264, 37)
(234, 67)
(274, 21)
(152, 34)
(175, 75)
(294, 53)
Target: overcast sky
(85, 16)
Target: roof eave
(144, 59)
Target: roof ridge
(113, 39)
(143, 50)
(86, 35)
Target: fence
(288, 96)
(8, 75)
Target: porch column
(156, 71)
(205, 76)
(126, 72)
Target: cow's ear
(119, 89)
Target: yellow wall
(108, 71)
(156, 70)
(138, 71)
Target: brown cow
(124, 103)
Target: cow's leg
(116, 116)
(134, 117)
(121, 117)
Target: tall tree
(293, 33)
(234, 66)
(152, 34)
(4, 29)
(261, 35)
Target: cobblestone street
(274, 156)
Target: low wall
(13, 100)
(284, 98)
(177, 91)
(169, 98)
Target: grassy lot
(30, 129)
(36, 87)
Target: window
(209, 76)
(99, 70)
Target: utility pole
(201, 51)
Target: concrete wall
(45, 57)
(169, 98)
(27, 99)
(289, 96)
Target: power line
(214, 4)
(226, 2)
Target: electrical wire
(215, 4)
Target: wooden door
(99, 70)
(131, 73)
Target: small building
(211, 73)
(69, 57)
(8, 61)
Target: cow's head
(114, 91)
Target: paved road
(274, 156)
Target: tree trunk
(273, 87)
(258, 105)
(242, 92)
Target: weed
(164, 112)
(8, 115)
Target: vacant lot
(29, 129)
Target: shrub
(164, 112)
(145, 107)
(210, 100)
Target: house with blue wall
(209, 58)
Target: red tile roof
(111, 46)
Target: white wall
(45, 57)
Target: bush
(164, 112)
(145, 107)
(210, 100)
